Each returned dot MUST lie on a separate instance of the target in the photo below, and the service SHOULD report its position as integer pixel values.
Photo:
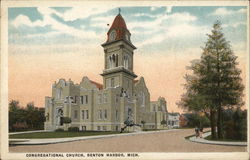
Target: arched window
(113, 61)
(112, 82)
(109, 62)
(59, 93)
(129, 112)
(143, 99)
(116, 60)
(154, 107)
(126, 61)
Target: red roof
(119, 26)
(118, 22)
(98, 85)
(135, 81)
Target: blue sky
(152, 28)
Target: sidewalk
(12, 133)
(71, 139)
(202, 140)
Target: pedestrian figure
(196, 131)
(201, 132)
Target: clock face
(112, 35)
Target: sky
(49, 43)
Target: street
(171, 141)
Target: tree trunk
(219, 109)
(212, 123)
(219, 123)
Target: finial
(119, 10)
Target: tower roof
(118, 23)
(118, 31)
(120, 28)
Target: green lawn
(59, 134)
(153, 129)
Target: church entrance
(59, 116)
(129, 114)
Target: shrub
(163, 122)
(197, 120)
(129, 122)
(59, 130)
(235, 124)
(73, 129)
(229, 130)
(66, 120)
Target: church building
(105, 107)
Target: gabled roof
(98, 85)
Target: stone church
(93, 106)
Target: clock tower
(118, 57)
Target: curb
(192, 138)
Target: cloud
(53, 49)
(144, 14)
(165, 26)
(97, 20)
(24, 20)
(182, 17)
(159, 27)
(56, 26)
(101, 21)
(81, 13)
(177, 32)
(226, 12)
(234, 25)
(160, 19)
(153, 8)
(186, 30)
(242, 10)
(169, 9)
(239, 46)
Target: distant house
(174, 120)
(20, 126)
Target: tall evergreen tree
(215, 82)
(225, 76)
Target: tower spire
(119, 10)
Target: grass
(25, 130)
(64, 134)
(153, 129)
(226, 140)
